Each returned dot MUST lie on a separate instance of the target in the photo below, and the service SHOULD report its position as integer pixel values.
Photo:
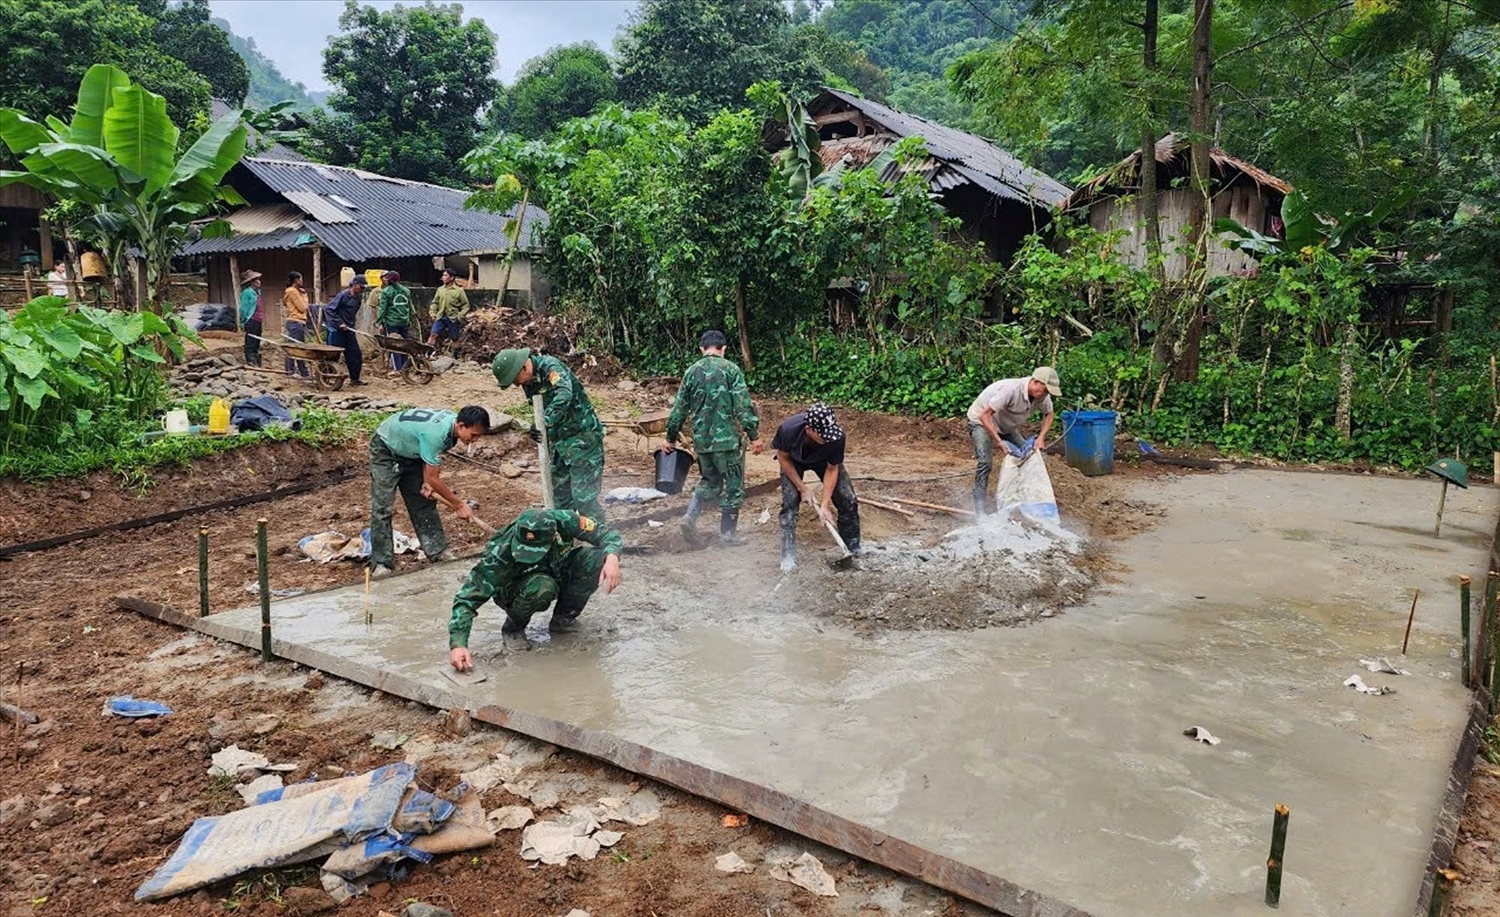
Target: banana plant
(1306, 228)
(118, 158)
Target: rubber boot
(729, 523)
(788, 550)
(513, 632)
(565, 615)
(690, 519)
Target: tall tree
(409, 86)
(693, 58)
(567, 82)
(186, 31)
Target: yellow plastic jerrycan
(218, 416)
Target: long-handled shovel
(846, 557)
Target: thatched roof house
(1241, 191)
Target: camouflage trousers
(578, 476)
(723, 478)
(568, 582)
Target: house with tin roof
(328, 221)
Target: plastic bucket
(672, 469)
(1089, 441)
(176, 422)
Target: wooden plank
(46, 543)
(761, 802)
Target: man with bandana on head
(813, 441)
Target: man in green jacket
(527, 566)
(406, 453)
(574, 433)
(450, 306)
(394, 314)
(252, 316)
(715, 395)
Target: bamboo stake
(203, 573)
(1278, 848)
(1442, 885)
(1409, 618)
(1494, 636)
(1442, 499)
(888, 506)
(1463, 619)
(369, 618)
(936, 507)
(262, 562)
(1487, 630)
(538, 413)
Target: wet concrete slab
(1052, 754)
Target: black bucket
(672, 469)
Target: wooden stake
(1487, 630)
(936, 507)
(1278, 848)
(203, 573)
(1409, 618)
(234, 280)
(1493, 588)
(544, 458)
(1442, 499)
(1442, 886)
(262, 562)
(369, 618)
(1463, 619)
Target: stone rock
(511, 470)
(627, 385)
(302, 901)
(51, 815)
(419, 909)
(14, 808)
(459, 723)
(805, 872)
(267, 724)
(314, 682)
(500, 422)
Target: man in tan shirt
(998, 413)
(294, 309)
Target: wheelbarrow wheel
(412, 374)
(328, 377)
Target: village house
(1241, 191)
(321, 220)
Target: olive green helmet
(507, 365)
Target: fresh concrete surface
(1053, 754)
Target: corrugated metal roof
(385, 217)
(1170, 151)
(968, 156)
(315, 206)
(263, 218)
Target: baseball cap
(713, 339)
(820, 420)
(507, 365)
(1048, 377)
(392, 275)
(357, 281)
(535, 533)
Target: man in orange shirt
(294, 307)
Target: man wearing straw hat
(997, 415)
(251, 316)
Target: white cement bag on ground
(289, 830)
(1026, 486)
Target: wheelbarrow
(418, 369)
(323, 360)
(647, 426)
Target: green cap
(507, 365)
(535, 533)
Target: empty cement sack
(806, 872)
(1025, 487)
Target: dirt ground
(1477, 857)
(91, 805)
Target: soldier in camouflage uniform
(714, 393)
(527, 566)
(575, 435)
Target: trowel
(846, 557)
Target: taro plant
(118, 158)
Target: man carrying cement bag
(813, 441)
(527, 566)
(998, 414)
(405, 454)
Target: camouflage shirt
(714, 394)
(498, 571)
(568, 413)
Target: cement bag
(1026, 487)
(290, 830)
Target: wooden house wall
(1243, 203)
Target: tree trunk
(515, 240)
(140, 284)
(741, 320)
(1341, 414)
(1150, 211)
(1200, 110)
(234, 281)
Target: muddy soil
(1477, 858)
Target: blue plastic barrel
(1089, 441)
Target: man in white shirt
(998, 413)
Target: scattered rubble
(805, 872)
(732, 863)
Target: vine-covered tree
(409, 86)
(567, 82)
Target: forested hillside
(267, 85)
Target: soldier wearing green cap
(715, 395)
(575, 435)
(526, 567)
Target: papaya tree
(118, 160)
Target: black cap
(712, 339)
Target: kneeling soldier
(527, 566)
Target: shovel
(843, 561)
